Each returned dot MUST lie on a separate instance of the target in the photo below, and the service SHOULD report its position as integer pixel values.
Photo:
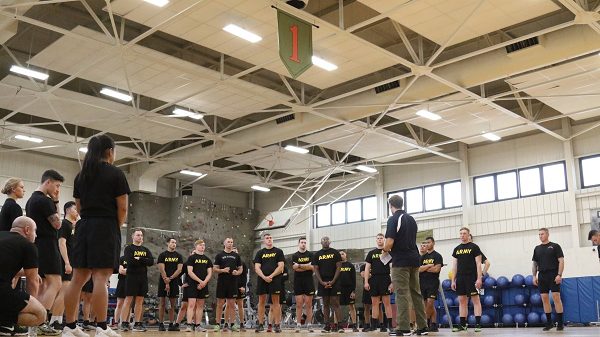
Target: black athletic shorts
(304, 286)
(366, 297)
(120, 293)
(333, 291)
(48, 256)
(546, 282)
(184, 297)
(465, 285)
(97, 243)
(136, 285)
(65, 277)
(192, 291)
(241, 295)
(13, 301)
(88, 287)
(227, 286)
(380, 285)
(430, 289)
(273, 288)
(173, 291)
(345, 296)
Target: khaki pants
(407, 288)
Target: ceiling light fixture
(429, 115)
(192, 173)
(319, 62)
(242, 33)
(491, 136)
(260, 188)
(28, 72)
(367, 169)
(296, 149)
(116, 94)
(184, 113)
(83, 149)
(29, 139)
(158, 3)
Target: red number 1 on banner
(294, 57)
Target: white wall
(221, 195)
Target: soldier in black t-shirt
(429, 279)
(348, 287)
(466, 279)
(379, 284)
(304, 287)
(170, 265)
(199, 270)
(228, 265)
(138, 258)
(242, 281)
(120, 291)
(268, 265)
(327, 263)
(18, 307)
(548, 265)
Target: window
(369, 208)
(452, 195)
(354, 210)
(555, 177)
(414, 200)
(343, 212)
(433, 197)
(484, 189)
(590, 171)
(338, 213)
(507, 185)
(323, 216)
(530, 182)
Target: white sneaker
(106, 333)
(77, 332)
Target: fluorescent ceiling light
(296, 149)
(192, 173)
(115, 94)
(429, 115)
(83, 149)
(159, 3)
(29, 139)
(242, 33)
(260, 188)
(28, 72)
(491, 136)
(367, 169)
(185, 113)
(319, 62)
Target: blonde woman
(14, 189)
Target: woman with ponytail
(14, 189)
(101, 193)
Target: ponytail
(96, 153)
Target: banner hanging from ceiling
(295, 43)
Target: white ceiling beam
(98, 21)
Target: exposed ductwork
(557, 46)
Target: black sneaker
(422, 332)
(560, 327)
(138, 327)
(56, 326)
(434, 328)
(173, 327)
(400, 333)
(7, 329)
(383, 329)
(21, 331)
(161, 327)
(354, 328)
(338, 328)
(326, 329)
(259, 328)
(366, 328)
(548, 327)
(277, 328)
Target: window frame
(581, 159)
(362, 213)
(441, 184)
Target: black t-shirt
(135, 266)
(17, 253)
(200, 265)
(39, 207)
(123, 263)
(483, 258)
(546, 256)
(97, 195)
(231, 260)
(326, 260)
(9, 212)
(433, 258)
(377, 267)
(465, 254)
(348, 276)
(269, 259)
(171, 260)
(404, 251)
(66, 232)
(302, 258)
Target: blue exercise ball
(449, 302)
(502, 282)
(486, 319)
(529, 280)
(446, 284)
(533, 318)
(471, 319)
(489, 282)
(520, 318)
(520, 299)
(535, 299)
(456, 301)
(457, 319)
(543, 318)
(507, 319)
(518, 280)
(488, 300)
(445, 319)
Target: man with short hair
(138, 258)
(548, 265)
(594, 236)
(199, 269)
(228, 265)
(327, 264)
(18, 307)
(170, 265)
(304, 287)
(401, 243)
(379, 285)
(42, 207)
(268, 265)
(429, 279)
(348, 287)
